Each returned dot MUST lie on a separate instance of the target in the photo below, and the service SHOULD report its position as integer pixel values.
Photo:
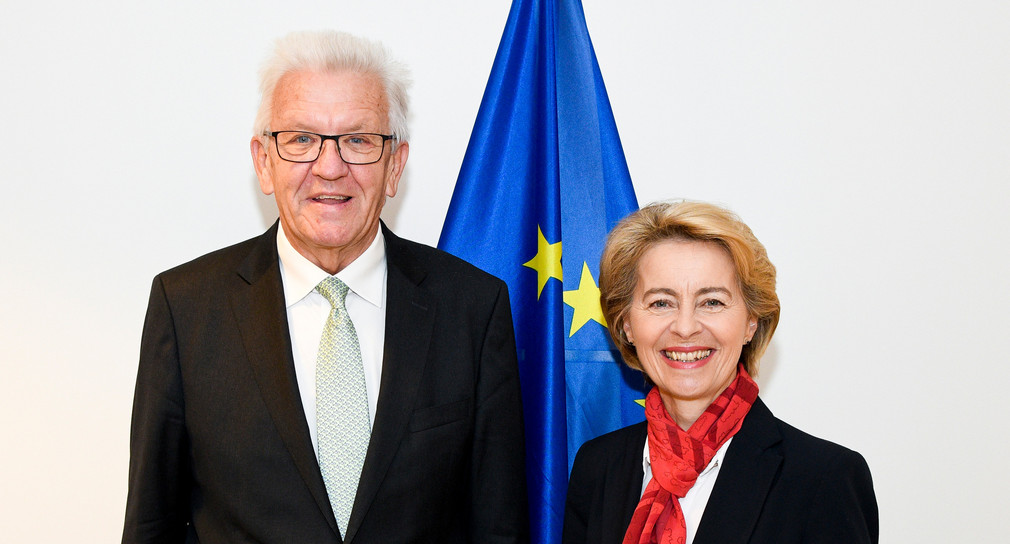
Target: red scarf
(678, 456)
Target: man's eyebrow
(299, 126)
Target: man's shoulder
(226, 260)
(437, 265)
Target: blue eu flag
(543, 180)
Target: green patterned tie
(342, 422)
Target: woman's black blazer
(778, 485)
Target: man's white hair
(332, 51)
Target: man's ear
(397, 162)
(261, 158)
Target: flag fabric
(543, 180)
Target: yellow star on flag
(585, 301)
(547, 261)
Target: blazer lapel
(751, 465)
(627, 491)
(258, 303)
(410, 316)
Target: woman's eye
(659, 304)
(713, 303)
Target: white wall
(866, 143)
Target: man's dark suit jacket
(777, 485)
(220, 449)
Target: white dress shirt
(308, 310)
(693, 504)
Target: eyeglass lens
(359, 148)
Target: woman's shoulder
(763, 429)
(621, 447)
(617, 440)
(830, 483)
(817, 451)
(807, 461)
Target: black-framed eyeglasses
(354, 148)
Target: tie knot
(333, 290)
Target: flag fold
(543, 180)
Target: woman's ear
(627, 333)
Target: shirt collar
(715, 462)
(365, 276)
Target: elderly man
(328, 381)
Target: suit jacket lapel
(258, 303)
(410, 316)
(751, 465)
(627, 491)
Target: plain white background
(866, 143)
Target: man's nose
(329, 165)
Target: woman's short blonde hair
(687, 221)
